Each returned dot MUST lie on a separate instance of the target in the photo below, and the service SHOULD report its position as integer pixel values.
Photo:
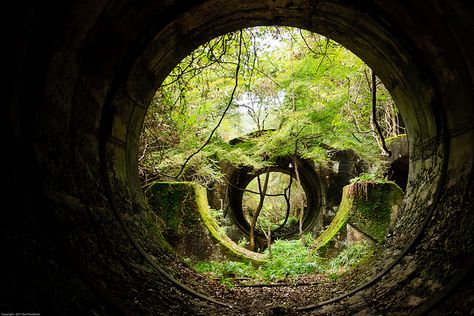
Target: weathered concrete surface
(398, 161)
(189, 226)
(375, 208)
(369, 208)
(322, 183)
(80, 76)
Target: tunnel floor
(274, 298)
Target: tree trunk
(253, 223)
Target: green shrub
(290, 259)
(349, 257)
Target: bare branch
(223, 114)
(374, 114)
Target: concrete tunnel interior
(78, 236)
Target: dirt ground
(282, 298)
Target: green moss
(168, 201)
(390, 140)
(178, 203)
(337, 224)
(367, 206)
(371, 213)
(216, 232)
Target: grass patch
(348, 258)
(290, 259)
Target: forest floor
(280, 298)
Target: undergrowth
(290, 260)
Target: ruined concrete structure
(322, 185)
(188, 225)
(367, 212)
(79, 76)
(398, 160)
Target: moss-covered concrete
(324, 241)
(368, 207)
(189, 226)
(375, 208)
(395, 139)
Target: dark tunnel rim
(106, 128)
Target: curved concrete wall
(81, 75)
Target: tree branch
(223, 114)
(374, 114)
(259, 209)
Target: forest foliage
(295, 92)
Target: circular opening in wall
(282, 207)
(280, 127)
(291, 205)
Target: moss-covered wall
(398, 146)
(337, 225)
(188, 224)
(373, 210)
(369, 207)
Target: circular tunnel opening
(279, 212)
(319, 111)
(389, 72)
(102, 80)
